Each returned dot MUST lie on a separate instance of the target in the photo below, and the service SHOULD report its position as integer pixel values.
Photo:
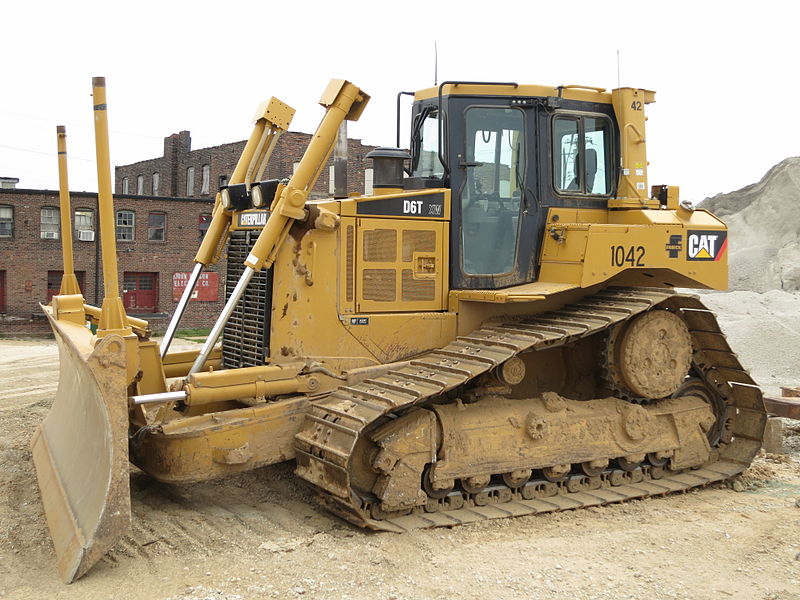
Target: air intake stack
(388, 169)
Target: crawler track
(328, 439)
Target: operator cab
(509, 153)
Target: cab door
(495, 217)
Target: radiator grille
(245, 339)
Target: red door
(2, 291)
(54, 283)
(140, 292)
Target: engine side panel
(662, 248)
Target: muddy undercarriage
(625, 394)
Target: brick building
(156, 241)
(183, 172)
(162, 209)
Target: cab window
(582, 153)
(491, 197)
(426, 161)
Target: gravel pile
(764, 223)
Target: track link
(332, 427)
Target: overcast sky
(725, 73)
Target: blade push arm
(343, 100)
(271, 120)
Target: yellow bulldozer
(493, 331)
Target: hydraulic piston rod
(208, 346)
(158, 398)
(181, 308)
(343, 100)
(272, 119)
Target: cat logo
(706, 245)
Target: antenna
(435, 63)
(619, 85)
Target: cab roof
(568, 92)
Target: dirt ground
(259, 535)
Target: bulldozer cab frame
(508, 158)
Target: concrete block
(773, 436)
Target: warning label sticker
(706, 245)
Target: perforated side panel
(349, 267)
(379, 285)
(417, 241)
(380, 245)
(399, 266)
(415, 290)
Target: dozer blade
(81, 450)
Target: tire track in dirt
(30, 373)
(264, 509)
(30, 396)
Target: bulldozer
(497, 329)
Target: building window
(204, 222)
(126, 220)
(294, 167)
(331, 180)
(84, 224)
(50, 220)
(206, 181)
(223, 181)
(155, 184)
(156, 227)
(6, 221)
(190, 181)
(140, 185)
(125, 185)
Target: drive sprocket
(648, 357)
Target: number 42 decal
(631, 256)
